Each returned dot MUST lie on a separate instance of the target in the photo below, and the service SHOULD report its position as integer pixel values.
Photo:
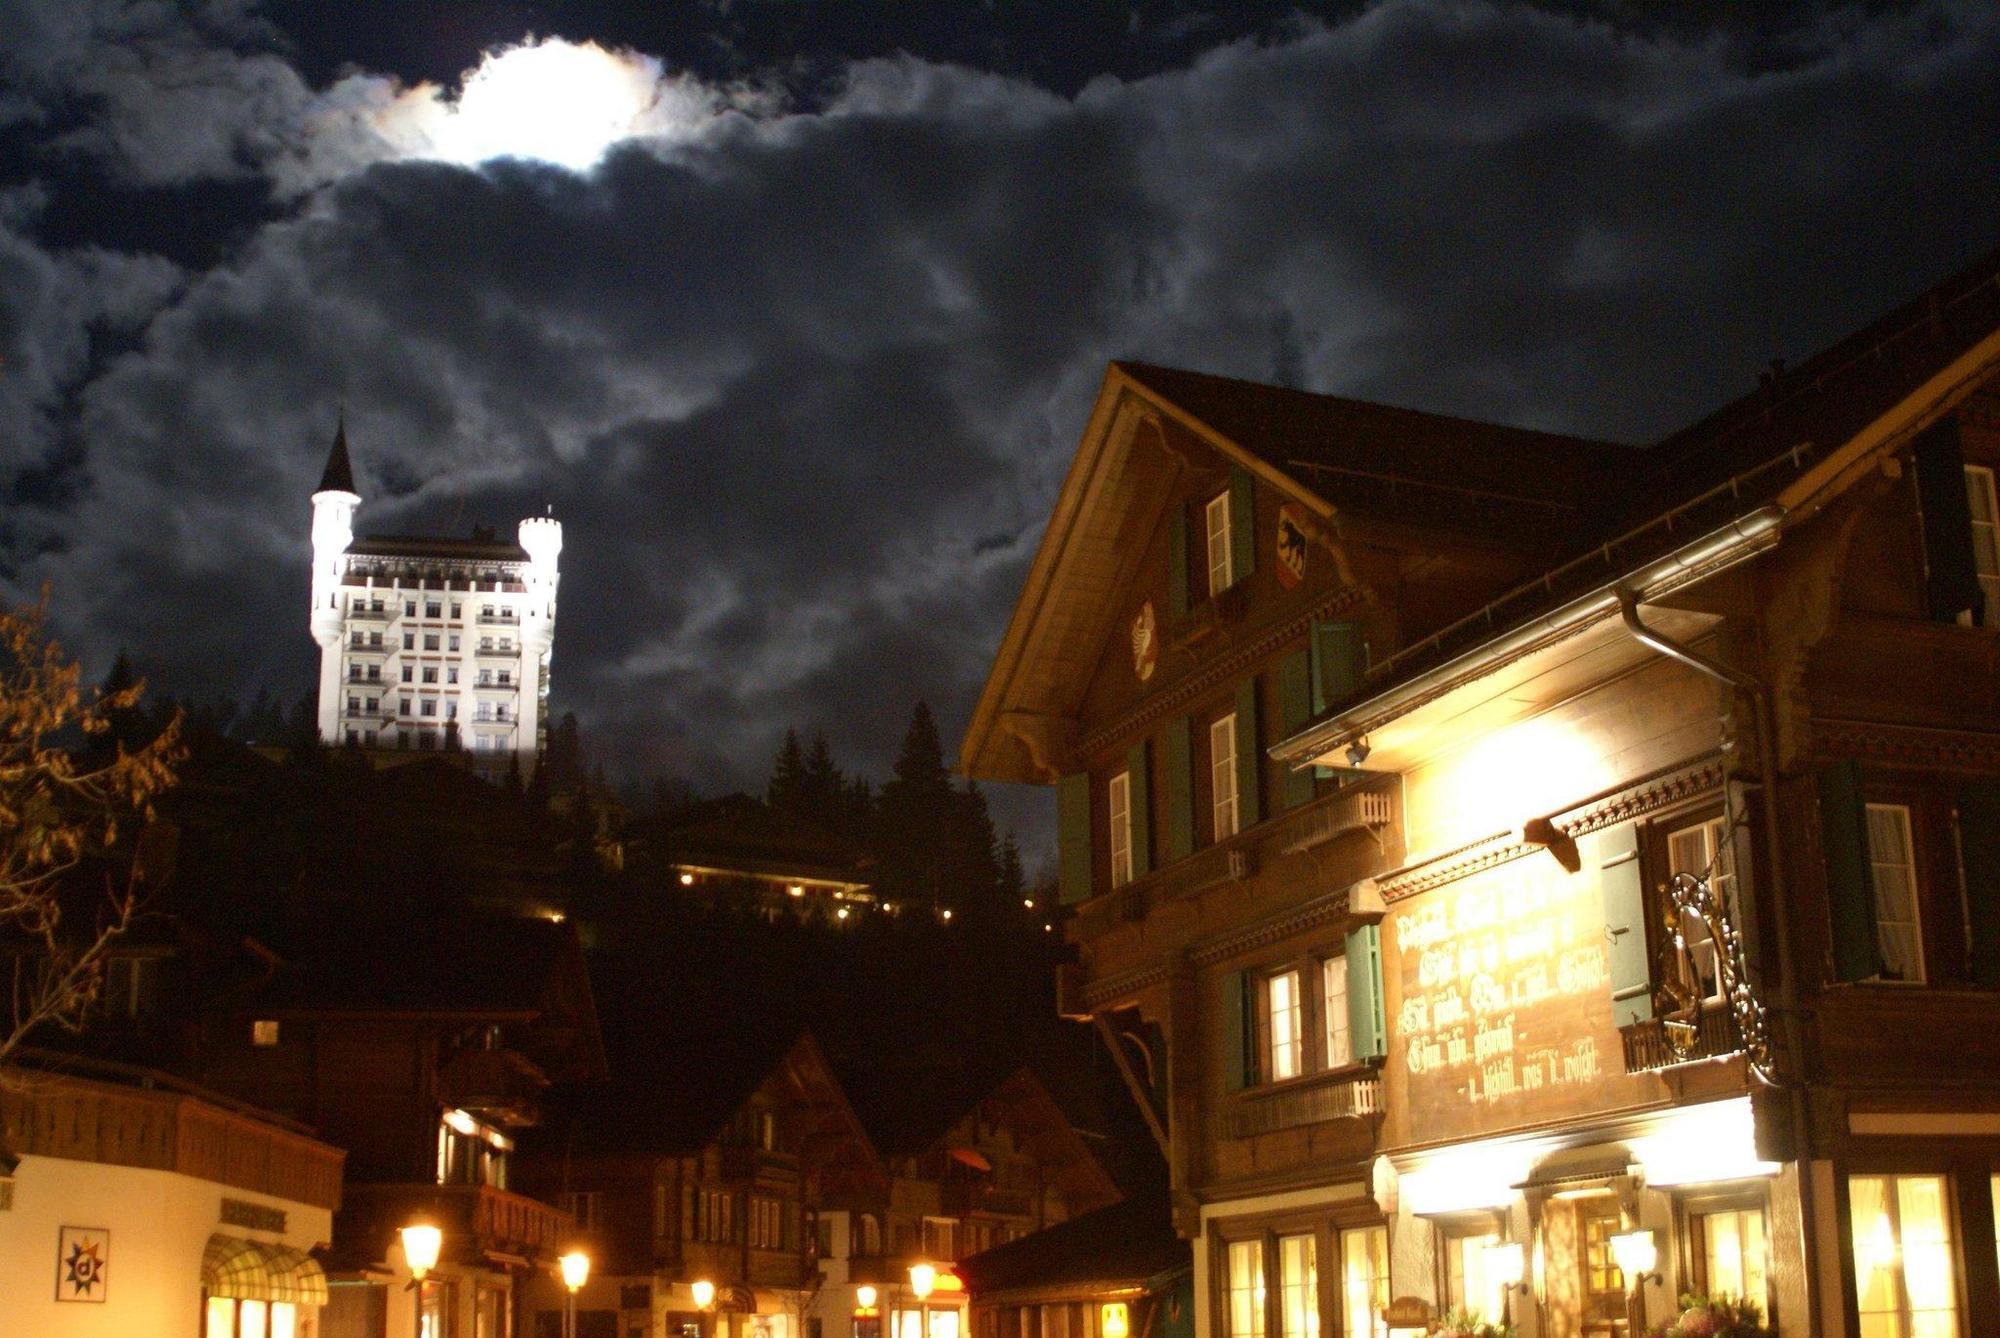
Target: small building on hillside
(134, 1203)
(739, 852)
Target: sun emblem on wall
(83, 1256)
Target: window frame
(1222, 776)
(1979, 486)
(1328, 1227)
(1908, 809)
(1316, 1060)
(1956, 1243)
(1689, 1210)
(1218, 551)
(1118, 823)
(1269, 1032)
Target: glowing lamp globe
(421, 1243)
(575, 1268)
(1114, 1320)
(1636, 1253)
(923, 1280)
(704, 1294)
(866, 1296)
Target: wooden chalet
(1539, 877)
(425, 1052)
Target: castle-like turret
(430, 643)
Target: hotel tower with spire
(431, 644)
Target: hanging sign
(1145, 642)
(1291, 546)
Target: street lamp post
(704, 1301)
(575, 1268)
(422, 1240)
(923, 1278)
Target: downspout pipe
(1791, 1082)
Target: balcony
(967, 1198)
(479, 1221)
(500, 1086)
(1345, 1094)
(740, 1165)
(1648, 1050)
(498, 620)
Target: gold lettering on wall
(1504, 997)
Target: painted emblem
(83, 1261)
(1291, 546)
(1145, 642)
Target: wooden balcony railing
(1340, 1096)
(1647, 1049)
(478, 1220)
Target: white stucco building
(431, 643)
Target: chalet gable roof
(1334, 455)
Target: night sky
(801, 360)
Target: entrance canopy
(252, 1270)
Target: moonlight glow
(554, 101)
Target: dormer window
(1221, 566)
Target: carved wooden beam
(1049, 739)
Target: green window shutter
(1367, 1020)
(1073, 872)
(1180, 789)
(1339, 662)
(1628, 959)
(1242, 523)
(1950, 575)
(1142, 810)
(1249, 758)
(1239, 1033)
(1979, 846)
(1295, 708)
(1177, 563)
(1850, 878)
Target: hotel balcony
(481, 1224)
(1648, 1048)
(1342, 1094)
(502, 1087)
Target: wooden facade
(1379, 742)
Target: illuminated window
(264, 1033)
(1221, 566)
(1364, 1282)
(1287, 1040)
(1702, 851)
(1121, 829)
(1995, 1189)
(1734, 1261)
(1245, 1290)
(1896, 922)
(1985, 537)
(1222, 774)
(1471, 1282)
(1298, 1287)
(1904, 1257)
(1333, 1011)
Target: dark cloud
(801, 385)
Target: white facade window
(486, 643)
(429, 706)
(405, 707)
(484, 711)
(409, 672)
(430, 673)
(1222, 774)
(1897, 924)
(485, 678)
(409, 608)
(1244, 1291)
(430, 641)
(1985, 537)
(371, 704)
(1702, 851)
(409, 641)
(1286, 1033)
(500, 712)
(1221, 564)
(1121, 829)
(1333, 1011)
(1298, 1287)
(457, 610)
(1905, 1261)
(1364, 1282)
(451, 642)
(506, 678)
(451, 674)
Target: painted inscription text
(1502, 975)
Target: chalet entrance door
(1602, 1286)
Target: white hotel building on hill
(427, 643)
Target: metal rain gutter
(1748, 534)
